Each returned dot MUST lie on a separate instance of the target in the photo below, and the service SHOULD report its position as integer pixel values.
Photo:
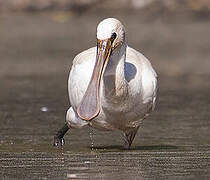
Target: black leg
(129, 137)
(58, 138)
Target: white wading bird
(111, 86)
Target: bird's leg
(129, 137)
(58, 138)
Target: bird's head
(110, 31)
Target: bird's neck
(115, 85)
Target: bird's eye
(114, 35)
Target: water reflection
(135, 165)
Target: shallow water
(173, 143)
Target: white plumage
(127, 87)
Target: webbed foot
(129, 137)
(58, 138)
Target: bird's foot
(129, 137)
(58, 141)
(58, 138)
(127, 145)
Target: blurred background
(37, 5)
(38, 41)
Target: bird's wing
(150, 82)
(84, 56)
(146, 74)
(80, 75)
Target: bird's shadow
(134, 148)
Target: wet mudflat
(36, 52)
